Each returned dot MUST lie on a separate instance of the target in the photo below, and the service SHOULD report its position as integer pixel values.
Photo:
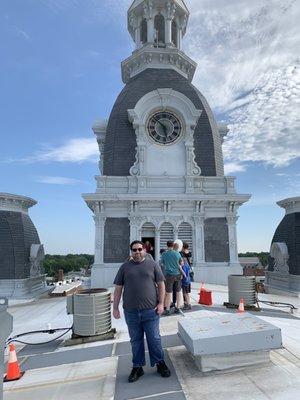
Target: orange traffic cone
(241, 308)
(13, 368)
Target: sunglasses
(140, 249)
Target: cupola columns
(150, 30)
(158, 23)
(137, 35)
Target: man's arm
(161, 297)
(117, 298)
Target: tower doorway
(148, 238)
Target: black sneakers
(163, 370)
(136, 373)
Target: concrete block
(221, 362)
(228, 340)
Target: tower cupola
(157, 28)
(159, 23)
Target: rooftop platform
(99, 370)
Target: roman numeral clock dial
(164, 128)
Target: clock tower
(162, 172)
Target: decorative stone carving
(280, 253)
(135, 170)
(99, 221)
(164, 98)
(99, 129)
(12, 202)
(199, 219)
(232, 219)
(37, 256)
(192, 167)
(148, 9)
(167, 58)
(223, 131)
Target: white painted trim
(165, 99)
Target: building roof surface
(100, 369)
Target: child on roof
(186, 284)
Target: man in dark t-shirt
(142, 283)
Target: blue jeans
(140, 322)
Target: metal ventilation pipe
(6, 327)
(240, 286)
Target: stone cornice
(93, 199)
(13, 202)
(164, 58)
(291, 205)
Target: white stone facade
(165, 195)
(174, 200)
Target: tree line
(75, 262)
(263, 256)
(68, 263)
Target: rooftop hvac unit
(91, 311)
(240, 286)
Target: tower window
(174, 33)
(159, 26)
(144, 31)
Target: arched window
(144, 31)
(174, 33)
(166, 233)
(159, 26)
(185, 233)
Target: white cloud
(75, 150)
(58, 180)
(20, 32)
(231, 168)
(248, 68)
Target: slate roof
(288, 231)
(17, 234)
(120, 142)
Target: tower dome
(21, 252)
(162, 173)
(157, 28)
(120, 141)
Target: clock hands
(164, 128)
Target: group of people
(147, 290)
(177, 269)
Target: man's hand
(116, 314)
(160, 309)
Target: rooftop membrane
(99, 370)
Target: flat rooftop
(100, 369)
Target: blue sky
(60, 72)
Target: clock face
(164, 127)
